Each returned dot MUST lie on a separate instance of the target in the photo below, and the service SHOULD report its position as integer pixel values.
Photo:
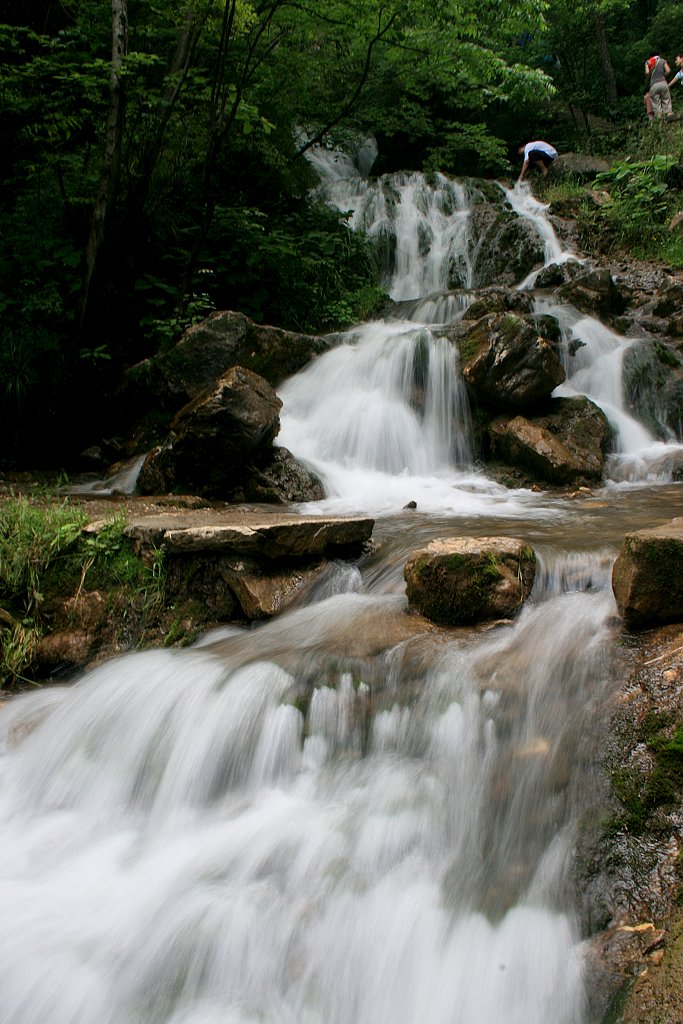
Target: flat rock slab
(238, 531)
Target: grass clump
(45, 553)
(33, 534)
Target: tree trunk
(605, 59)
(111, 164)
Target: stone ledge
(269, 535)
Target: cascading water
(211, 836)
(323, 820)
(430, 225)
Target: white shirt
(544, 147)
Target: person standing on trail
(540, 154)
(656, 70)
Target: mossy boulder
(647, 577)
(464, 580)
(507, 247)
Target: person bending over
(539, 154)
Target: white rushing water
(191, 837)
(355, 416)
(283, 826)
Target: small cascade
(525, 205)
(387, 403)
(422, 224)
(594, 369)
(123, 481)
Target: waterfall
(525, 205)
(421, 223)
(595, 370)
(341, 816)
(203, 836)
(361, 431)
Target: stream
(303, 822)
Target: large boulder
(507, 363)
(653, 385)
(507, 247)
(579, 166)
(280, 479)
(567, 445)
(463, 580)
(595, 292)
(208, 349)
(647, 577)
(215, 436)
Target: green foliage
(17, 649)
(313, 272)
(641, 203)
(474, 143)
(164, 331)
(106, 558)
(639, 198)
(33, 534)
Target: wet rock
(272, 535)
(565, 446)
(239, 563)
(508, 248)
(596, 293)
(498, 300)
(61, 651)
(281, 479)
(653, 385)
(263, 591)
(507, 364)
(647, 578)
(556, 274)
(465, 580)
(669, 300)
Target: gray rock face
(507, 249)
(507, 364)
(653, 384)
(567, 445)
(647, 577)
(463, 580)
(579, 166)
(244, 564)
(208, 349)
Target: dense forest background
(154, 160)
